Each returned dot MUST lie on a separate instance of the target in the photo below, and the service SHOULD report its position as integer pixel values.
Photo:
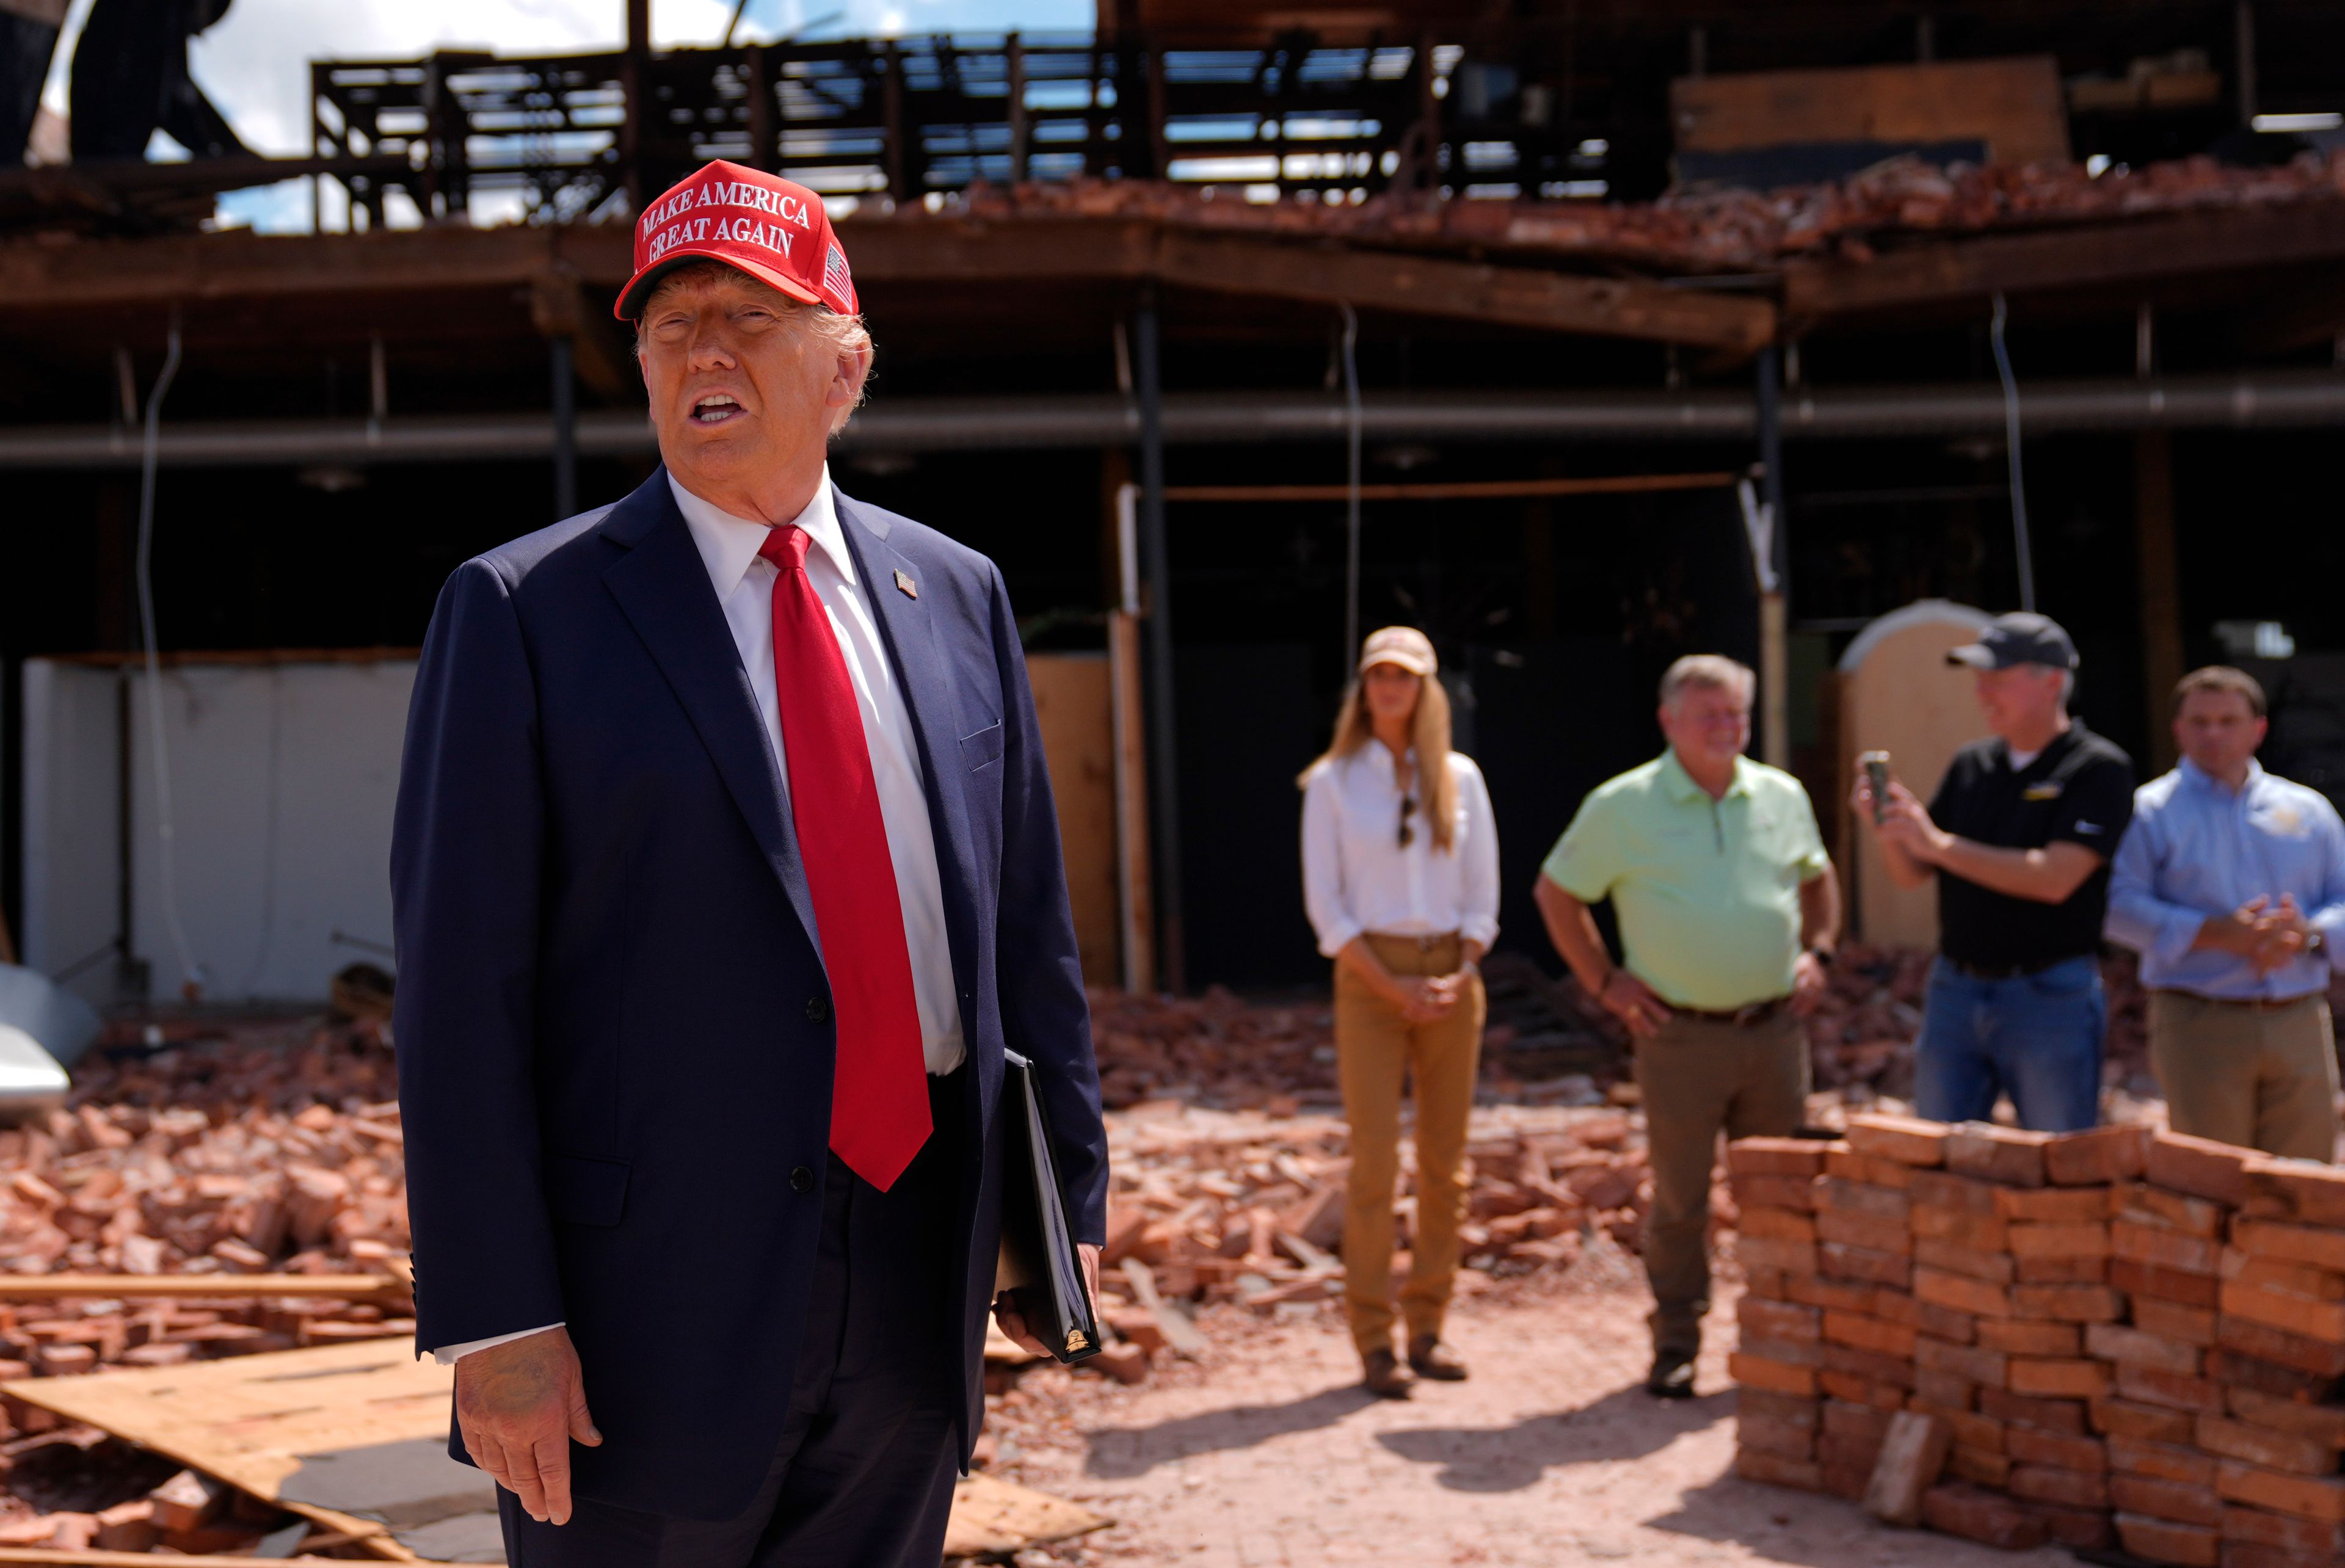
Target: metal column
(1773, 571)
(1164, 792)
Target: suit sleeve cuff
(449, 1355)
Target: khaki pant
(1700, 1078)
(2261, 1078)
(1375, 1048)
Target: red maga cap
(771, 229)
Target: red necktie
(879, 1091)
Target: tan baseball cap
(1403, 645)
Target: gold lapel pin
(904, 581)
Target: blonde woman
(1400, 877)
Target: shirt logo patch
(2088, 827)
(2041, 791)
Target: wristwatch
(1825, 956)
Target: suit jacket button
(801, 1179)
(818, 1010)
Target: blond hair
(1436, 787)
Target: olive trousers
(2259, 1076)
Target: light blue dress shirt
(2196, 849)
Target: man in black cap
(2019, 835)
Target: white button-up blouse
(1358, 877)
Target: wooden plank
(1072, 698)
(2013, 105)
(2089, 257)
(1475, 292)
(991, 1514)
(58, 1286)
(1462, 490)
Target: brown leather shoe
(1433, 1359)
(1385, 1376)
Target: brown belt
(1422, 944)
(1740, 1018)
(2250, 1003)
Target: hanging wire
(2011, 446)
(166, 860)
(1351, 487)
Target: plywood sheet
(1070, 703)
(994, 1516)
(2013, 105)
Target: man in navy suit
(726, 869)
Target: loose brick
(2322, 1357)
(2116, 1342)
(2315, 1539)
(1794, 1156)
(2131, 1239)
(1876, 1366)
(2026, 1409)
(1869, 1333)
(2077, 1529)
(2184, 1502)
(2147, 1205)
(2053, 1204)
(2104, 1154)
(1838, 1260)
(1775, 1470)
(2173, 1320)
(1795, 1192)
(1841, 1450)
(1908, 1140)
(2059, 1376)
(2235, 1371)
(1836, 1195)
(2062, 1270)
(2067, 1303)
(2014, 1337)
(2291, 1243)
(1766, 1284)
(2162, 1461)
(2175, 1391)
(1961, 1293)
(1790, 1353)
(2322, 1423)
(1960, 1228)
(1939, 1321)
(1981, 1516)
(2163, 1284)
(2241, 1554)
(2199, 1166)
(1978, 1466)
(2302, 1315)
(1871, 1170)
(2320, 1498)
(1970, 1428)
(1837, 1295)
(2278, 1274)
(1970, 1362)
(1773, 1224)
(1873, 1232)
(1779, 1319)
(2067, 1450)
(1913, 1456)
(2261, 1445)
(2047, 1483)
(1801, 1412)
(1938, 1189)
(2164, 1541)
(1777, 1377)
(2149, 1424)
(2004, 1156)
(1769, 1434)
(1944, 1390)
(1862, 1391)
(2314, 1194)
(1791, 1258)
(1867, 1421)
(2060, 1240)
(1996, 1268)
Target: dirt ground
(1268, 1454)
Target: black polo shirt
(2078, 789)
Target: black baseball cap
(2021, 637)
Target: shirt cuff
(449, 1355)
(1337, 938)
(2331, 923)
(1485, 932)
(2177, 929)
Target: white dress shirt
(1356, 876)
(743, 581)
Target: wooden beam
(602, 354)
(2092, 256)
(1462, 490)
(1467, 290)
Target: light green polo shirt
(1707, 891)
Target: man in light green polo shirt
(1729, 913)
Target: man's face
(2020, 699)
(2219, 731)
(740, 389)
(1708, 725)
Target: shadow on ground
(1815, 1532)
(1119, 1454)
(1627, 1424)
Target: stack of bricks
(2133, 1338)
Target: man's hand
(1908, 825)
(2281, 936)
(1632, 1002)
(1013, 1321)
(519, 1407)
(1809, 979)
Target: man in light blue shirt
(2231, 887)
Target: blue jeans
(2035, 1037)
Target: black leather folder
(1039, 1262)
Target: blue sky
(254, 63)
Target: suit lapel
(662, 585)
(924, 673)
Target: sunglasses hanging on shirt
(1407, 834)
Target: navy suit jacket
(613, 1033)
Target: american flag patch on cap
(835, 279)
